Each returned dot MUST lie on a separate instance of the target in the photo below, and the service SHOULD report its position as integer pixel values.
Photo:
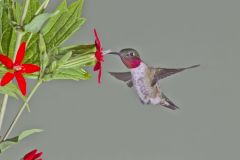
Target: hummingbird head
(129, 57)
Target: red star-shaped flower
(17, 69)
(33, 155)
(98, 55)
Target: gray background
(89, 122)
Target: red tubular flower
(33, 155)
(98, 55)
(17, 69)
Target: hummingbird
(145, 79)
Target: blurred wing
(161, 73)
(123, 76)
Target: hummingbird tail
(194, 66)
(165, 102)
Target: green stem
(5, 98)
(29, 38)
(24, 14)
(42, 7)
(76, 64)
(3, 109)
(20, 111)
(18, 41)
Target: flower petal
(20, 53)
(99, 75)
(97, 40)
(37, 156)
(97, 66)
(7, 78)
(30, 155)
(30, 68)
(6, 61)
(21, 82)
(99, 56)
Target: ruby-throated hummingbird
(144, 78)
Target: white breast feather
(138, 81)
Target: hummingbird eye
(131, 54)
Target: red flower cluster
(17, 69)
(33, 155)
(98, 55)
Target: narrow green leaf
(37, 23)
(50, 25)
(1, 13)
(78, 49)
(80, 60)
(68, 32)
(71, 74)
(64, 59)
(13, 91)
(32, 9)
(17, 10)
(53, 67)
(32, 53)
(8, 34)
(44, 60)
(9, 89)
(9, 142)
(61, 27)
(56, 30)
(42, 44)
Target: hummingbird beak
(114, 53)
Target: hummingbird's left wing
(123, 76)
(160, 73)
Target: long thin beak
(114, 53)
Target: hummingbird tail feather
(167, 103)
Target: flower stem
(18, 42)
(20, 111)
(42, 7)
(3, 109)
(24, 14)
(5, 98)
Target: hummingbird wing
(161, 73)
(123, 76)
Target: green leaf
(13, 91)
(62, 26)
(82, 55)
(53, 67)
(78, 49)
(9, 142)
(64, 59)
(81, 60)
(38, 22)
(32, 9)
(1, 13)
(44, 61)
(17, 10)
(8, 37)
(70, 74)
(57, 29)
(42, 44)
(9, 89)
(32, 53)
